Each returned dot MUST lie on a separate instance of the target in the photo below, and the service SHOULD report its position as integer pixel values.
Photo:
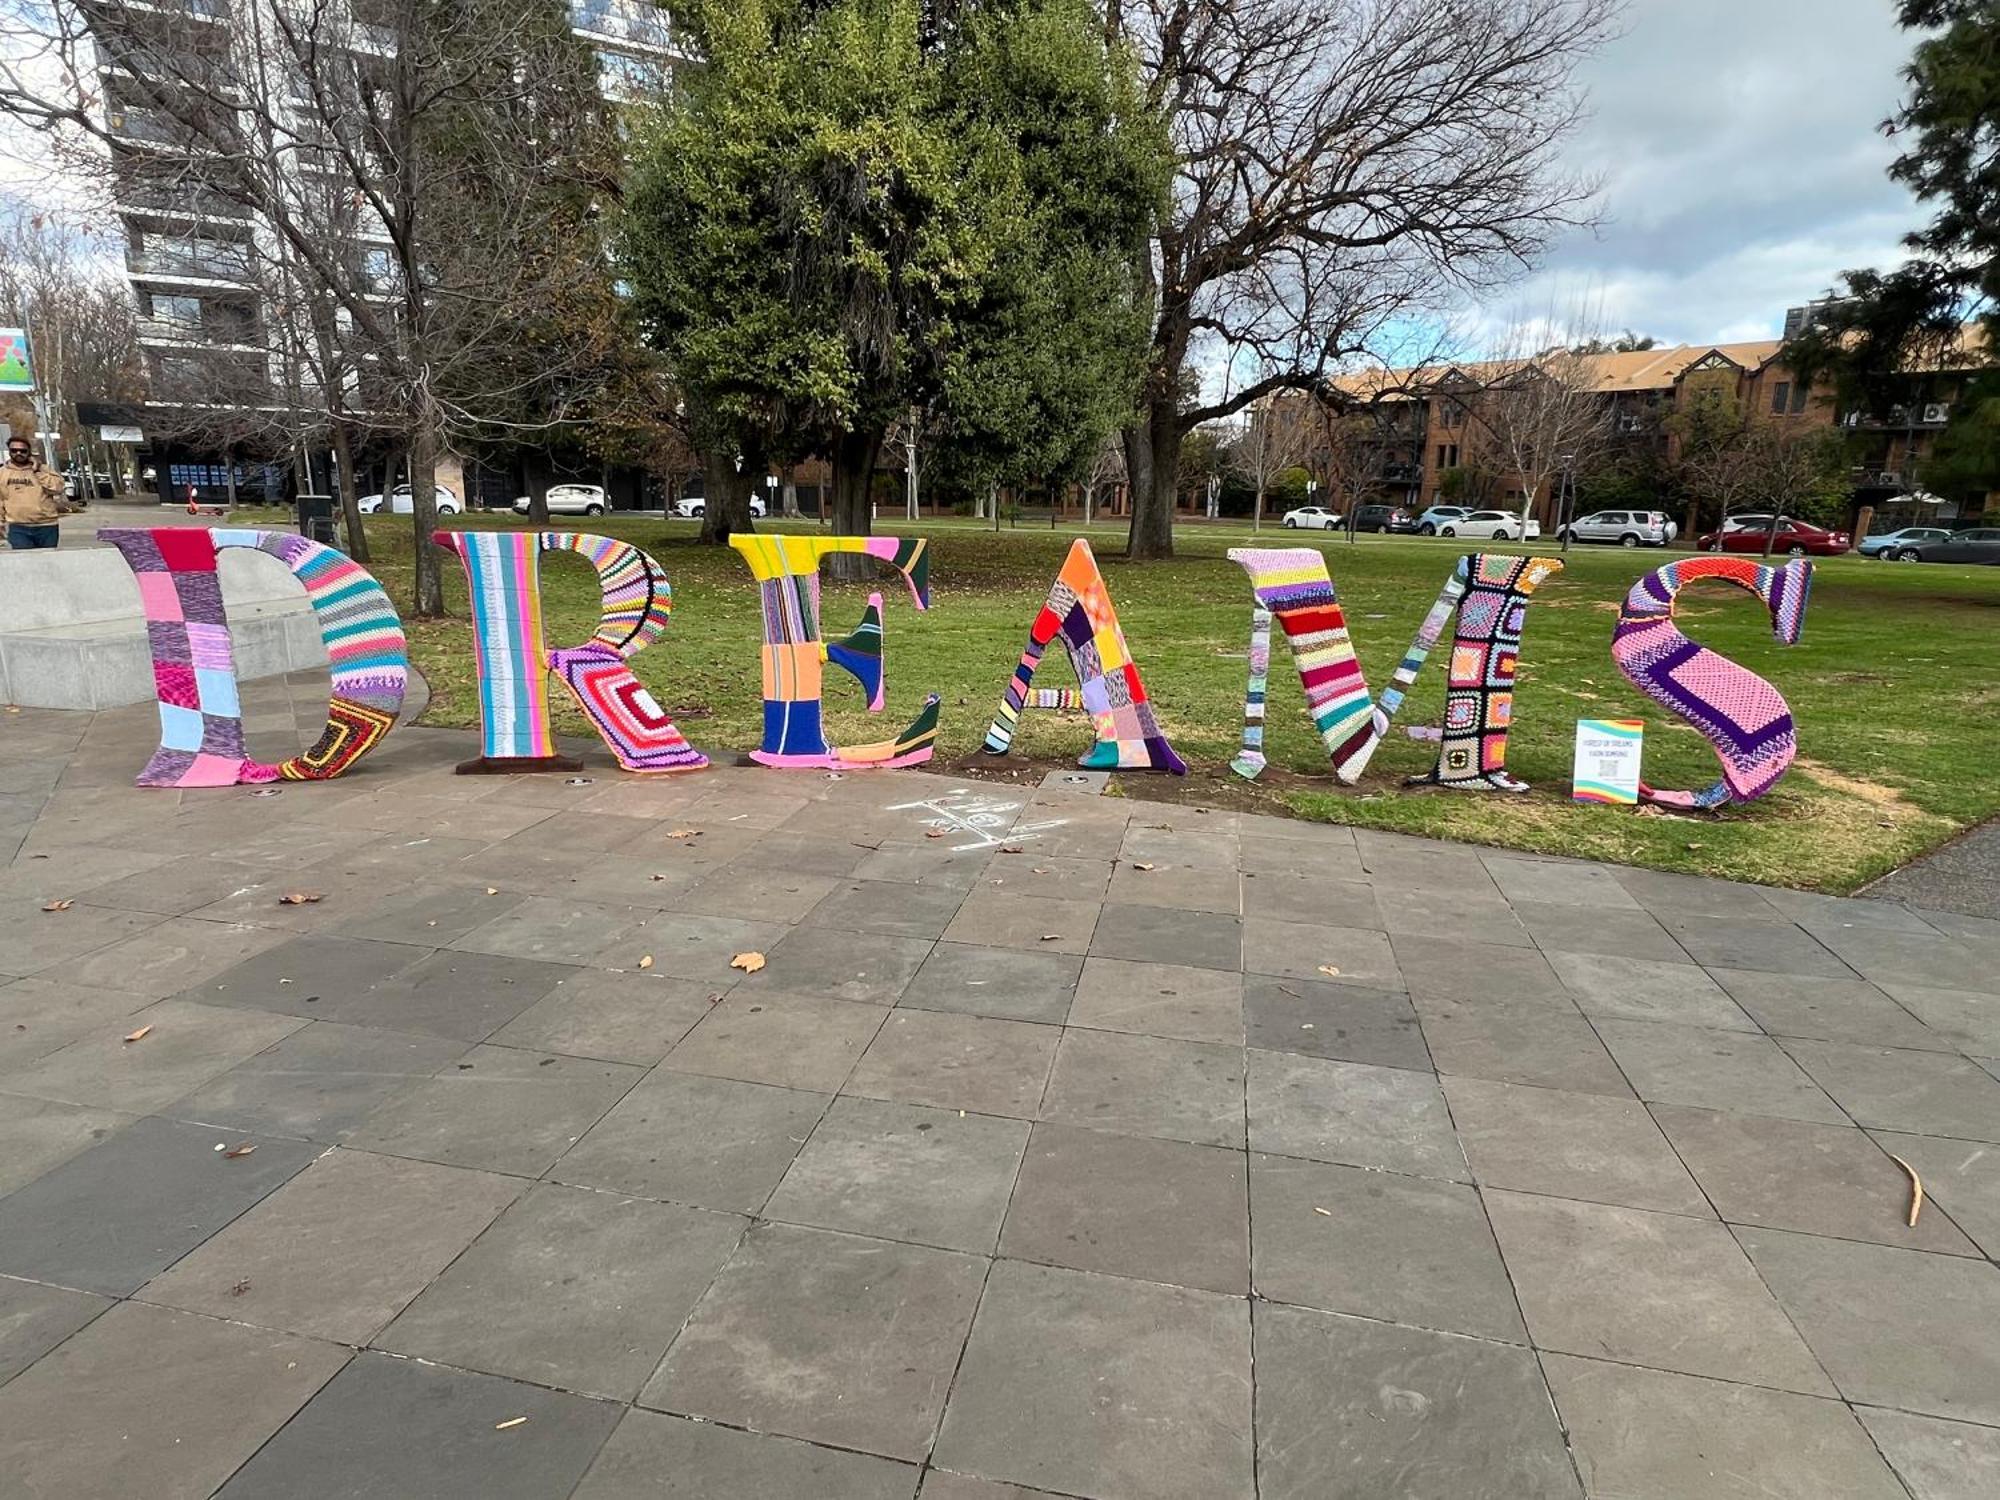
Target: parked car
(1313, 517)
(1890, 544)
(1500, 525)
(1794, 538)
(570, 500)
(1439, 515)
(88, 483)
(1628, 528)
(402, 501)
(1392, 518)
(693, 507)
(1981, 544)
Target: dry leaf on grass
(646, 962)
(235, 1151)
(301, 898)
(63, 905)
(749, 963)
(1330, 971)
(139, 1035)
(510, 1422)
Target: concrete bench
(73, 635)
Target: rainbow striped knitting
(1291, 584)
(503, 569)
(795, 654)
(1742, 716)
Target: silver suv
(1628, 528)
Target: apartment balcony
(1926, 416)
(628, 24)
(223, 265)
(184, 333)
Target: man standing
(31, 498)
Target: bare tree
(1276, 436)
(1544, 421)
(465, 136)
(56, 281)
(1342, 165)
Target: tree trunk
(789, 505)
(1152, 452)
(350, 493)
(229, 476)
(725, 503)
(1771, 532)
(855, 455)
(1257, 510)
(423, 514)
(536, 473)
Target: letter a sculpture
(194, 657)
(787, 572)
(1739, 713)
(1079, 612)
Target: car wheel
(447, 510)
(1290, 524)
(1907, 554)
(1628, 540)
(593, 510)
(1796, 552)
(1715, 546)
(1427, 529)
(1446, 531)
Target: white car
(402, 502)
(693, 507)
(1628, 528)
(1433, 521)
(1313, 517)
(570, 500)
(1497, 525)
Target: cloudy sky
(1742, 168)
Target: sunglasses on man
(21, 452)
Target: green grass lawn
(1892, 685)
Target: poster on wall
(15, 374)
(1607, 761)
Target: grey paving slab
(799, 1041)
(805, 854)
(619, 1017)
(1326, 856)
(863, 967)
(1051, 877)
(38, 939)
(1130, 1206)
(330, 972)
(1419, 912)
(167, 959)
(1157, 934)
(1100, 1386)
(1169, 1000)
(39, 1015)
(939, 1485)
(1290, 896)
(172, 888)
(318, 1083)
(1833, 1010)
(38, 1134)
(710, 1142)
(1814, 906)
(1350, 1409)
(892, 908)
(1926, 1093)
(569, 1288)
(756, 893)
(1142, 1085)
(1818, 1179)
(1644, 989)
(498, 1109)
(560, 930)
(1328, 1019)
(146, 1401)
(1712, 1069)
(1938, 1460)
(899, 1171)
(35, 1318)
(1457, 968)
(1570, 1145)
(827, 1337)
(653, 1456)
(1745, 943)
(1665, 893)
(1401, 1249)
(186, 1046)
(1917, 957)
(1184, 887)
(464, 996)
(1294, 950)
(1648, 1432)
(431, 1431)
(1591, 929)
(1961, 1177)
(165, 1183)
(1959, 1018)
(994, 982)
(1357, 1114)
(1892, 1327)
(922, 864)
(1542, 882)
(1660, 1290)
(1520, 1041)
(1209, 848)
(957, 1062)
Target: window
(1441, 463)
(1781, 395)
(1610, 518)
(1798, 398)
(181, 312)
(1451, 461)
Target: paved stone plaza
(1176, 1156)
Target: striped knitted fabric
(1743, 717)
(503, 570)
(795, 654)
(1080, 614)
(1291, 585)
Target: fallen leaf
(679, 833)
(1326, 1211)
(1041, 869)
(235, 1151)
(749, 963)
(1141, 866)
(63, 905)
(646, 962)
(659, 877)
(510, 1422)
(1010, 848)
(139, 1035)
(935, 833)
(494, 890)
(301, 898)
(1050, 937)
(1330, 971)
(1916, 1188)
(240, 1287)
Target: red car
(1794, 539)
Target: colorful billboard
(14, 372)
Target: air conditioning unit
(1891, 478)
(1935, 413)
